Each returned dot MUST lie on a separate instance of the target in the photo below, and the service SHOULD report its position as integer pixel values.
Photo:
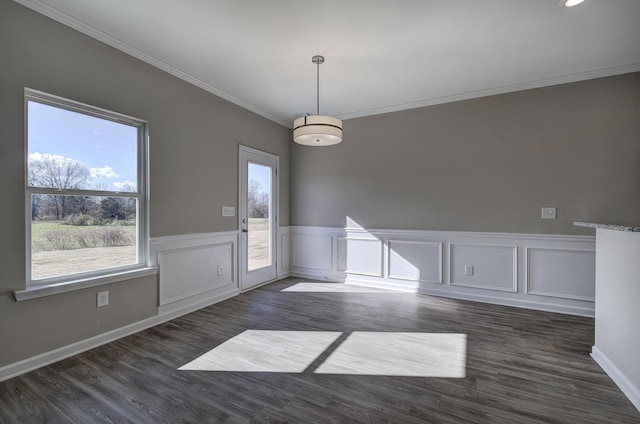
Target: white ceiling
(381, 55)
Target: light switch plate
(228, 211)
(548, 213)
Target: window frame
(141, 194)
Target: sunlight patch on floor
(361, 353)
(265, 351)
(399, 354)
(334, 288)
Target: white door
(258, 209)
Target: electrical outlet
(220, 270)
(102, 299)
(548, 213)
(468, 270)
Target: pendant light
(317, 130)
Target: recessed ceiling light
(571, 3)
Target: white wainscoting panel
(415, 261)
(494, 267)
(538, 271)
(365, 256)
(189, 266)
(193, 270)
(561, 273)
(284, 252)
(341, 242)
(312, 252)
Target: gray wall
(487, 164)
(193, 167)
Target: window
(85, 191)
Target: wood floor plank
(521, 366)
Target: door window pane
(259, 212)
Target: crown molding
(528, 85)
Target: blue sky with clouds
(260, 173)
(109, 149)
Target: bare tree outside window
(57, 172)
(258, 200)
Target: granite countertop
(618, 227)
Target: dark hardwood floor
(522, 366)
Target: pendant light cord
(318, 60)
(318, 87)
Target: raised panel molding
(341, 263)
(312, 252)
(189, 263)
(509, 268)
(415, 261)
(561, 273)
(494, 267)
(191, 271)
(284, 252)
(365, 257)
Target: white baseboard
(318, 276)
(381, 285)
(476, 297)
(282, 275)
(621, 380)
(585, 311)
(38, 361)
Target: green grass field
(54, 235)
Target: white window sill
(67, 286)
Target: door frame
(242, 238)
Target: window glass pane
(259, 211)
(74, 234)
(71, 150)
(76, 153)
